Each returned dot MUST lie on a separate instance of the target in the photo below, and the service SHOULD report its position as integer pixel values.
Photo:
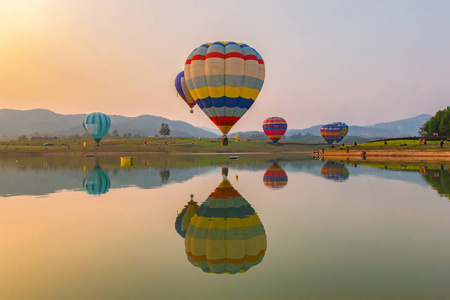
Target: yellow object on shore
(84, 144)
(236, 138)
(126, 161)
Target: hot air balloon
(330, 132)
(96, 182)
(274, 128)
(275, 177)
(344, 130)
(225, 235)
(335, 171)
(184, 217)
(96, 125)
(180, 85)
(224, 78)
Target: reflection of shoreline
(379, 155)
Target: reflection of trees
(164, 175)
(439, 181)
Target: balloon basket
(224, 140)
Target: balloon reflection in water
(335, 171)
(184, 217)
(225, 235)
(275, 177)
(96, 182)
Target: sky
(359, 62)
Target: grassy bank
(152, 145)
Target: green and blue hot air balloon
(97, 125)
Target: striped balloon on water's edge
(97, 125)
(180, 86)
(274, 128)
(335, 171)
(96, 182)
(224, 78)
(225, 235)
(343, 129)
(275, 177)
(330, 132)
(184, 217)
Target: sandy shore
(387, 155)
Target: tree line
(439, 123)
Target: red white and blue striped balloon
(274, 128)
(224, 79)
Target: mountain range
(14, 123)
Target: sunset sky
(360, 62)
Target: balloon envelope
(275, 177)
(97, 125)
(180, 85)
(225, 235)
(330, 132)
(343, 131)
(224, 78)
(335, 171)
(96, 182)
(184, 218)
(274, 128)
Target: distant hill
(14, 123)
(400, 128)
(45, 122)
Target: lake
(274, 227)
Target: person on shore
(441, 143)
(424, 141)
(385, 142)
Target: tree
(115, 133)
(440, 124)
(164, 130)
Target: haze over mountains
(45, 122)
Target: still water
(164, 227)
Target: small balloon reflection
(335, 171)
(96, 182)
(275, 177)
(224, 235)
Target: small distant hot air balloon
(184, 217)
(224, 78)
(275, 177)
(335, 171)
(343, 129)
(180, 85)
(225, 235)
(330, 132)
(97, 125)
(274, 128)
(96, 182)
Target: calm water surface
(89, 228)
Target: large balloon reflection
(275, 177)
(335, 171)
(184, 217)
(96, 182)
(225, 235)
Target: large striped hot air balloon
(225, 235)
(274, 128)
(97, 125)
(184, 217)
(96, 182)
(224, 78)
(180, 85)
(343, 131)
(330, 132)
(275, 177)
(335, 171)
